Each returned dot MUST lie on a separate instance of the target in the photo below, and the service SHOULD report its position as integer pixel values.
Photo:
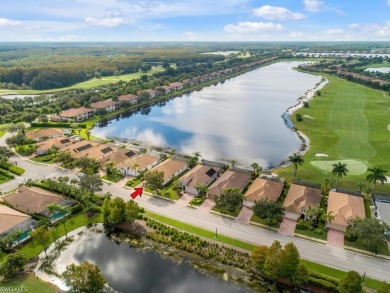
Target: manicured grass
(367, 204)
(201, 232)
(310, 233)
(314, 267)
(29, 283)
(383, 248)
(86, 84)
(259, 220)
(13, 169)
(4, 179)
(47, 159)
(2, 133)
(350, 123)
(227, 212)
(133, 182)
(34, 248)
(196, 201)
(168, 192)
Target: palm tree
(52, 210)
(134, 166)
(74, 181)
(340, 170)
(88, 133)
(376, 174)
(360, 185)
(233, 162)
(255, 167)
(201, 189)
(328, 218)
(296, 159)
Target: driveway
(335, 238)
(287, 227)
(185, 199)
(245, 215)
(206, 206)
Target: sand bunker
(321, 155)
(307, 116)
(388, 180)
(355, 167)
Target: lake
(135, 271)
(379, 69)
(239, 119)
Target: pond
(238, 119)
(135, 271)
(379, 69)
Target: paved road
(327, 255)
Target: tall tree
(230, 199)
(8, 241)
(131, 211)
(5, 154)
(256, 168)
(376, 174)
(267, 209)
(85, 278)
(201, 189)
(13, 262)
(134, 166)
(154, 179)
(339, 170)
(91, 183)
(41, 235)
(52, 210)
(296, 159)
(328, 218)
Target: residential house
(164, 89)
(44, 133)
(228, 179)
(108, 105)
(152, 93)
(74, 114)
(97, 152)
(35, 200)
(188, 82)
(171, 167)
(144, 161)
(345, 208)
(132, 99)
(79, 147)
(299, 199)
(59, 142)
(200, 174)
(263, 189)
(12, 220)
(176, 86)
(119, 156)
(381, 208)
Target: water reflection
(128, 270)
(239, 119)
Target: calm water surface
(130, 271)
(379, 69)
(239, 119)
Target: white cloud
(354, 25)
(388, 2)
(336, 31)
(313, 5)
(191, 36)
(252, 27)
(277, 13)
(4, 22)
(105, 21)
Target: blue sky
(195, 20)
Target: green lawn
(314, 267)
(29, 283)
(259, 220)
(112, 179)
(86, 84)
(2, 133)
(4, 179)
(350, 123)
(47, 159)
(196, 201)
(33, 248)
(310, 233)
(227, 212)
(383, 249)
(133, 182)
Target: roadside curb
(222, 215)
(263, 226)
(309, 238)
(366, 252)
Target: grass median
(314, 267)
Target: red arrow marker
(137, 191)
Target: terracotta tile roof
(31, 199)
(345, 207)
(42, 132)
(200, 174)
(301, 197)
(10, 218)
(128, 98)
(170, 167)
(149, 91)
(176, 84)
(264, 189)
(59, 142)
(229, 179)
(97, 152)
(119, 156)
(79, 146)
(75, 112)
(143, 160)
(103, 104)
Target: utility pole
(216, 232)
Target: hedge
(13, 169)
(7, 174)
(322, 284)
(60, 124)
(327, 278)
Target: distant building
(108, 105)
(59, 142)
(144, 161)
(74, 114)
(43, 133)
(119, 156)
(176, 86)
(132, 99)
(152, 93)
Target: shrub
(322, 284)
(318, 231)
(76, 209)
(298, 117)
(62, 125)
(351, 236)
(306, 104)
(6, 174)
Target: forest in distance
(42, 66)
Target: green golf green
(350, 125)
